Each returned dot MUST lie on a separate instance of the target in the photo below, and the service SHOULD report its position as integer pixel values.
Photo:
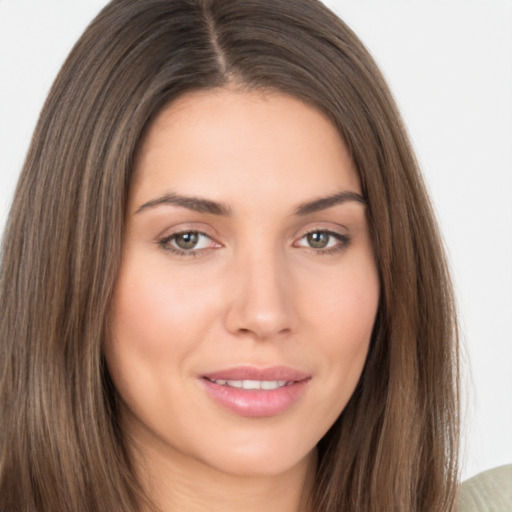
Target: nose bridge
(261, 302)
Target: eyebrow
(196, 204)
(328, 201)
(202, 205)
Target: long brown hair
(395, 445)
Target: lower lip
(256, 403)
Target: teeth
(266, 385)
(272, 384)
(251, 384)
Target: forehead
(224, 142)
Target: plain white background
(449, 64)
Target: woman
(222, 284)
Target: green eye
(186, 241)
(324, 241)
(318, 239)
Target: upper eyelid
(202, 229)
(334, 234)
(183, 231)
(322, 230)
(340, 230)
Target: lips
(266, 385)
(256, 392)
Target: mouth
(255, 392)
(266, 385)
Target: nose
(260, 298)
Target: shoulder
(490, 491)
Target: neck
(174, 482)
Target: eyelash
(343, 242)
(165, 243)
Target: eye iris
(187, 240)
(318, 239)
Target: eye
(318, 239)
(187, 242)
(323, 241)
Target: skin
(253, 291)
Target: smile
(266, 385)
(256, 392)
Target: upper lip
(254, 373)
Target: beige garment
(490, 491)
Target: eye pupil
(318, 239)
(187, 240)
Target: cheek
(137, 320)
(343, 315)
(155, 324)
(156, 314)
(347, 303)
(358, 303)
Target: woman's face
(248, 287)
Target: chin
(255, 461)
